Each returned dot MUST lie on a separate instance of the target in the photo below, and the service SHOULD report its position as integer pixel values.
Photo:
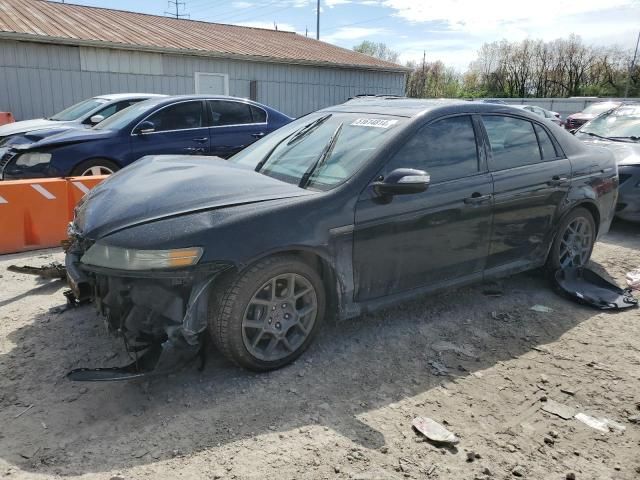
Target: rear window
(546, 145)
(258, 114)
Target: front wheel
(96, 166)
(574, 241)
(268, 315)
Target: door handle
(258, 135)
(557, 181)
(477, 198)
(201, 139)
(195, 149)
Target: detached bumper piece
(161, 316)
(589, 288)
(158, 359)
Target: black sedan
(341, 212)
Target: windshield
(598, 108)
(623, 122)
(128, 115)
(78, 110)
(321, 150)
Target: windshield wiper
(323, 157)
(628, 137)
(294, 137)
(594, 135)
(307, 129)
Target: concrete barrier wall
(564, 106)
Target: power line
(177, 13)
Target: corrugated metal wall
(38, 79)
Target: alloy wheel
(97, 170)
(279, 317)
(575, 244)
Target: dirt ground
(344, 409)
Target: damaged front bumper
(161, 315)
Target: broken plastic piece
(633, 279)
(54, 270)
(434, 431)
(601, 424)
(589, 288)
(160, 358)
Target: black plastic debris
(53, 270)
(589, 288)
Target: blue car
(196, 125)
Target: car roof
(412, 107)
(125, 96)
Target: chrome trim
(199, 128)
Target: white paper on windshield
(374, 122)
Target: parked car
(541, 112)
(576, 120)
(196, 125)
(492, 100)
(341, 212)
(85, 114)
(618, 130)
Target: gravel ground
(480, 365)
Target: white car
(84, 114)
(548, 114)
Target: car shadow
(54, 426)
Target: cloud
(478, 15)
(287, 27)
(353, 33)
(333, 3)
(241, 4)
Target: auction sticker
(374, 122)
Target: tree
(378, 50)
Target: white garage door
(212, 83)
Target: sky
(447, 30)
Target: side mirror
(96, 119)
(402, 181)
(145, 127)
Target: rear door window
(180, 116)
(258, 115)
(446, 149)
(513, 142)
(229, 113)
(546, 145)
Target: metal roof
(53, 22)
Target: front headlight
(31, 159)
(101, 255)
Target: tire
(96, 166)
(567, 241)
(255, 319)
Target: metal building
(53, 55)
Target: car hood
(163, 186)
(55, 138)
(625, 153)
(28, 126)
(582, 116)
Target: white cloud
(287, 27)
(333, 3)
(478, 15)
(353, 33)
(242, 4)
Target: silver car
(619, 131)
(541, 112)
(87, 113)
